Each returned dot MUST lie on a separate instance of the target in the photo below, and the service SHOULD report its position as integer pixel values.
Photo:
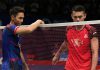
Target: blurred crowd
(52, 11)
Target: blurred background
(42, 44)
(52, 11)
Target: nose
(21, 20)
(78, 19)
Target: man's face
(18, 19)
(78, 16)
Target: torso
(79, 55)
(10, 41)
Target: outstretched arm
(28, 29)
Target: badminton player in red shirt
(81, 42)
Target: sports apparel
(79, 50)
(10, 48)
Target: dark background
(50, 10)
(41, 44)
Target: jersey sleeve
(13, 28)
(93, 32)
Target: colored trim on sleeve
(16, 29)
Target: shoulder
(10, 25)
(69, 27)
(90, 27)
(92, 31)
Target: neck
(11, 22)
(79, 27)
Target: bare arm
(30, 28)
(62, 48)
(57, 55)
(94, 48)
(23, 59)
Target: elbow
(94, 52)
(30, 30)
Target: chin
(19, 24)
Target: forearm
(63, 47)
(24, 62)
(22, 57)
(94, 60)
(34, 25)
(94, 49)
(28, 29)
(59, 51)
(21, 54)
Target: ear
(85, 15)
(71, 14)
(12, 17)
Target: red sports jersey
(79, 53)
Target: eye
(20, 17)
(75, 16)
(78, 16)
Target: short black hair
(15, 10)
(78, 8)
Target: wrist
(57, 55)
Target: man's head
(17, 15)
(78, 13)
